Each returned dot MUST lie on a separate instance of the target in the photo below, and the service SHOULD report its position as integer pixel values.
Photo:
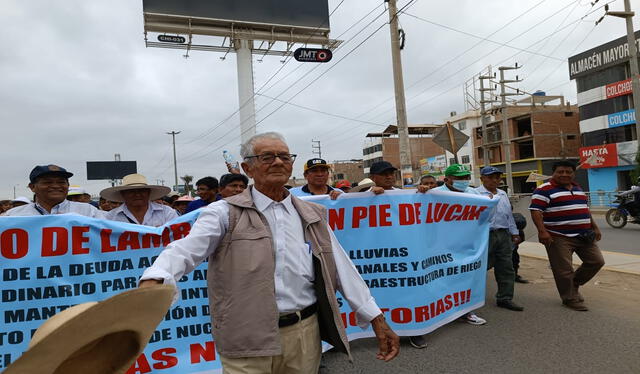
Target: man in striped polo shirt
(560, 212)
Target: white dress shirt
(502, 217)
(65, 207)
(293, 259)
(156, 215)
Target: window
(372, 149)
(465, 159)
(339, 176)
(598, 79)
(368, 163)
(452, 161)
(608, 136)
(602, 107)
(462, 125)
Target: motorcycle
(618, 216)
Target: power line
(208, 132)
(323, 112)
(190, 157)
(304, 88)
(479, 37)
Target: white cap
(76, 190)
(21, 199)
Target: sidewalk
(622, 262)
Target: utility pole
(244, 59)
(483, 115)
(506, 134)
(316, 148)
(398, 83)
(175, 165)
(633, 58)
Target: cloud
(79, 85)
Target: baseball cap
(314, 163)
(488, 170)
(41, 170)
(380, 167)
(457, 170)
(343, 183)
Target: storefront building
(607, 115)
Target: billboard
(623, 118)
(98, 170)
(601, 57)
(433, 166)
(609, 155)
(308, 13)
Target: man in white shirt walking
(502, 235)
(50, 185)
(138, 207)
(274, 268)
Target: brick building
(540, 134)
(351, 170)
(385, 146)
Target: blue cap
(488, 170)
(41, 170)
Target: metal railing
(601, 199)
(597, 199)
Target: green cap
(457, 170)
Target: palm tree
(187, 179)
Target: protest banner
(422, 255)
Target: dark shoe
(508, 304)
(575, 305)
(519, 279)
(418, 341)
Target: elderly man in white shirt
(136, 194)
(274, 268)
(50, 185)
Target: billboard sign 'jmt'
(312, 55)
(307, 13)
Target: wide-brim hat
(364, 184)
(134, 182)
(99, 337)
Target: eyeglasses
(269, 158)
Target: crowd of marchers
(281, 236)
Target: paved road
(625, 240)
(545, 338)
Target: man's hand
(334, 194)
(598, 234)
(232, 169)
(149, 283)
(377, 190)
(423, 189)
(515, 239)
(388, 341)
(544, 237)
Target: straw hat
(99, 337)
(134, 182)
(364, 184)
(184, 199)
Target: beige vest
(241, 282)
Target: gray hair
(246, 149)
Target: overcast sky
(77, 83)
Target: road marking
(620, 253)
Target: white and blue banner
(422, 255)
(623, 118)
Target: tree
(187, 179)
